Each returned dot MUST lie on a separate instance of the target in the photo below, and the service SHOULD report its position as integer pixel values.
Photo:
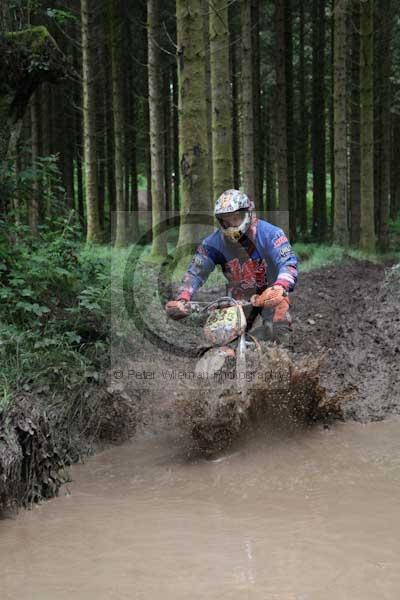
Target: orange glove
(270, 298)
(176, 309)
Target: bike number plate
(225, 325)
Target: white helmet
(233, 201)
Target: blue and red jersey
(262, 258)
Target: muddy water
(306, 515)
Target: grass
(315, 256)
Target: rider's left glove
(270, 298)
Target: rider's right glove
(177, 309)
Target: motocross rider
(256, 259)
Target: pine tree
(114, 7)
(248, 167)
(156, 125)
(257, 110)
(193, 138)
(290, 120)
(340, 226)
(395, 169)
(367, 229)
(221, 98)
(34, 203)
(235, 67)
(303, 127)
(282, 112)
(318, 122)
(355, 166)
(386, 96)
(93, 233)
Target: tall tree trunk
(52, 117)
(147, 165)
(33, 206)
(355, 166)
(332, 116)
(132, 134)
(68, 162)
(235, 77)
(78, 143)
(340, 226)
(110, 153)
(386, 58)
(118, 120)
(258, 146)
(156, 126)
(45, 118)
(126, 59)
(302, 136)
(378, 110)
(17, 194)
(168, 130)
(221, 98)
(134, 190)
(395, 187)
(93, 233)
(248, 168)
(270, 162)
(194, 152)
(207, 62)
(101, 159)
(175, 117)
(367, 229)
(78, 161)
(282, 112)
(318, 122)
(290, 121)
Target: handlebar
(224, 302)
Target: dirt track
(350, 314)
(347, 318)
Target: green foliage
(315, 256)
(394, 227)
(45, 173)
(60, 16)
(142, 182)
(54, 306)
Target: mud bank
(39, 438)
(349, 316)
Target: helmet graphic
(234, 226)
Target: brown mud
(349, 316)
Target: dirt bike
(238, 378)
(223, 371)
